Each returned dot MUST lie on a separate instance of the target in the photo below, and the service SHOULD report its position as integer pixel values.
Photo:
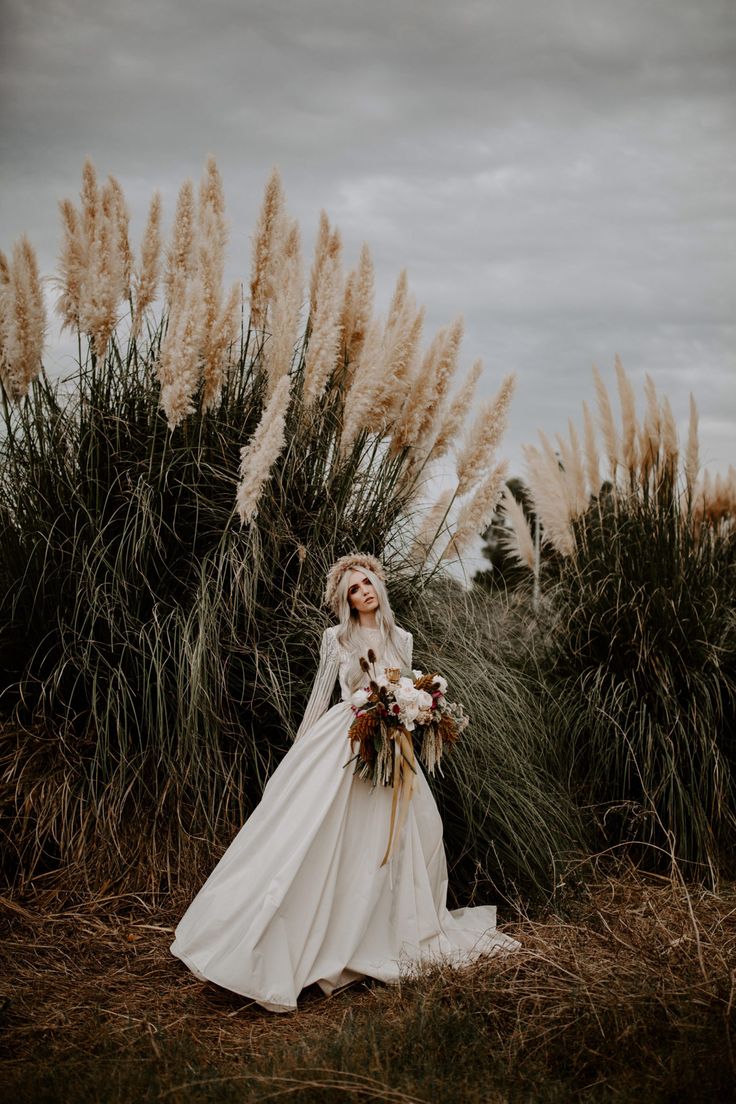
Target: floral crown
(345, 563)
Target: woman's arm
(324, 682)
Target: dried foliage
(623, 993)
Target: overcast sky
(561, 172)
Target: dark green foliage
(641, 651)
(165, 651)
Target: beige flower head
(345, 563)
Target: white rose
(417, 675)
(441, 684)
(360, 697)
(406, 683)
(406, 695)
(424, 700)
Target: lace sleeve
(324, 682)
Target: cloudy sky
(561, 172)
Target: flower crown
(345, 563)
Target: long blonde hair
(394, 646)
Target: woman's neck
(367, 621)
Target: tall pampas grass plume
(146, 278)
(285, 311)
(516, 539)
(22, 319)
(476, 452)
(179, 362)
(326, 299)
(607, 423)
(180, 255)
(262, 451)
(477, 513)
(266, 242)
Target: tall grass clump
(638, 613)
(169, 510)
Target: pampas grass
(168, 514)
(324, 339)
(484, 436)
(22, 319)
(266, 241)
(145, 284)
(180, 255)
(642, 640)
(260, 454)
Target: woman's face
(361, 593)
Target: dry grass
(627, 993)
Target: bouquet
(391, 702)
(391, 711)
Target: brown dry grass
(627, 994)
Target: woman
(300, 896)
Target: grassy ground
(626, 992)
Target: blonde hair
(348, 626)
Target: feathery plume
(592, 460)
(122, 221)
(400, 352)
(692, 460)
(670, 446)
(420, 404)
(651, 430)
(72, 266)
(222, 335)
(265, 242)
(90, 196)
(147, 274)
(358, 400)
(357, 317)
(262, 451)
(321, 247)
(212, 199)
(574, 471)
(628, 419)
(324, 338)
(286, 308)
(178, 365)
(212, 234)
(401, 339)
(444, 373)
(477, 513)
(607, 424)
(102, 288)
(550, 499)
(180, 256)
(476, 453)
(398, 300)
(454, 419)
(23, 326)
(418, 421)
(435, 522)
(517, 539)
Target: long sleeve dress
(300, 897)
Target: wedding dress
(300, 897)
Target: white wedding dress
(299, 896)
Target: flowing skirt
(299, 896)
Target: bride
(300, 896)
